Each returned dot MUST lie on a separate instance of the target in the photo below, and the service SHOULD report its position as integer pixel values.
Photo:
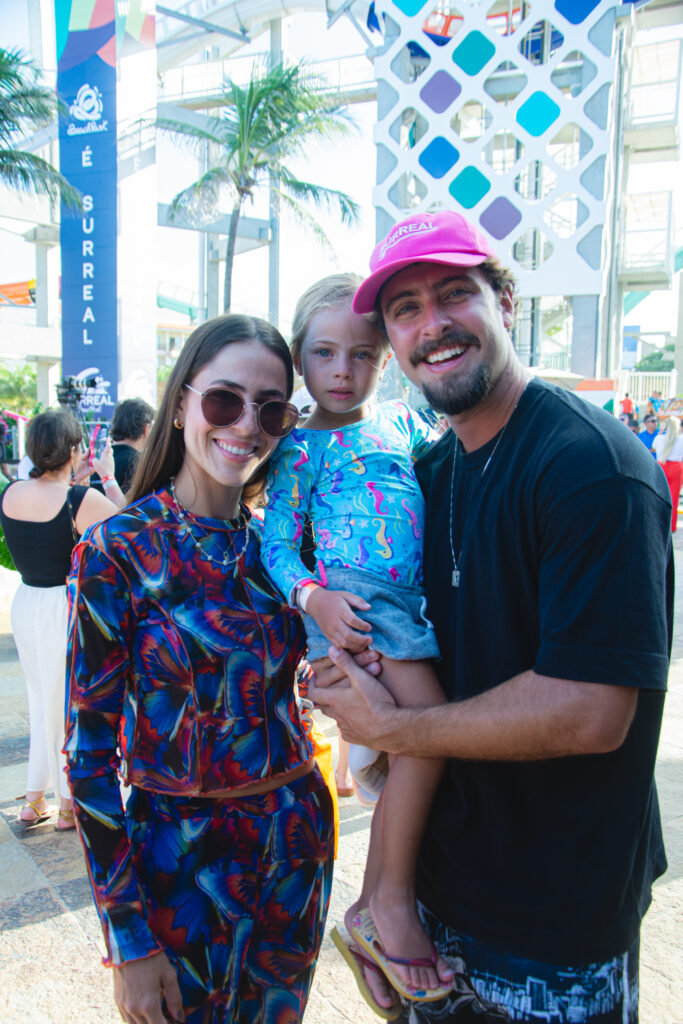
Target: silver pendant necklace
(188, 520)
(455, 575)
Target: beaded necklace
(189, 520)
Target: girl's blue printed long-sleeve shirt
(358, 487)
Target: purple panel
(440, 91)
(500, 218)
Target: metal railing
(197, 81)
(555, 360)
(655, 80)
(136, 134)
(641, 386)
(647, 233)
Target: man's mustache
(454, 337)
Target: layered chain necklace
(243, 522)
(455, 575)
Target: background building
(554, 124)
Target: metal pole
(274, 199)
(609, 360)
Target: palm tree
(263, 125)
(25, 105)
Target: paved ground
(50, 945)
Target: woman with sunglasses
(213, 884)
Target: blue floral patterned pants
(238, 891)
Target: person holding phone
(129, 430)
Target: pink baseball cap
(443, 237)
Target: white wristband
(303, 594)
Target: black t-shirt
(561, 543)
(125, 462)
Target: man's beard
(456, 396)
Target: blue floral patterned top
(183, 665)
(358, 486)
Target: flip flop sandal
(364, 932)
(40, 816)
(356, 963)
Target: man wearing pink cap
(545, 836)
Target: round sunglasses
(222, 407)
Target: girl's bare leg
(342, 775)
(398, 825)
(377, 984)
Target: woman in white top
(668, 447)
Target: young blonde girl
(349, 469)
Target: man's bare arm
(527, 718)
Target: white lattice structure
(502, 110)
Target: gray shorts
(400, 628)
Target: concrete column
(678, 349)
(213, 263)
(46, 238)
(47, 377)
(137, 237)
(584, 347)
(42, 310)
(274, 199)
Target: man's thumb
(342, 659)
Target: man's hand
(364, 709)
(333, 611)
(140, 986)
(328, 674)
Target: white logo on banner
(88, 104)
(96, 388)
(88, 107)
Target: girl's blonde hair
(324, 294)
(671, 432)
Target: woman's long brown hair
(165, 449)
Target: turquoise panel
(469, 187)
(62, 18)
(473, 52)
(439, 156)
(409, 7)
(538, 113)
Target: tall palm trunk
(230, 254)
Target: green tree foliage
(163, 373)
(5, 557)
(18, 389)
(26, 105)
(656, 362)
(264, 124)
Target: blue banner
(86, 83)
